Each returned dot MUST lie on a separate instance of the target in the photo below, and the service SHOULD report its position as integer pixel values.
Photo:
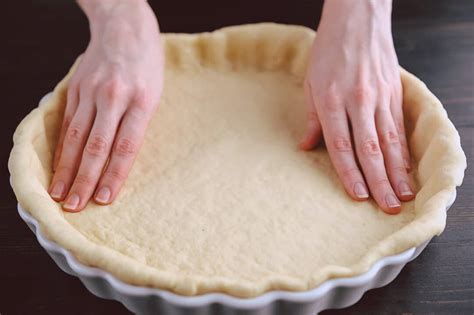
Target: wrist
(119, 18)
(98, 10)
(362, 16)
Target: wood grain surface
(434, 40)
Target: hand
(110, 100)
(353, 86)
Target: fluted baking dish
(433, 139)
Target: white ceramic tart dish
(221, 211)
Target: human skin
(110, 100)
(353, 78)
(354, 94)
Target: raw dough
(220, 198)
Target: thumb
(313, 132)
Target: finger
(71, 105)
(313, 130)
(127, 142)
(338, 143)
(396, 108)
(392, 152)
(73, 145)
(94, 158)
(372, 162)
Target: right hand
(354, 94)
(111, 98)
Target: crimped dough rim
(433, 139)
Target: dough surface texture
(220, 199)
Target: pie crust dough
(220, 199)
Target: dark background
(434, 40)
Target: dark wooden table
(434, 40)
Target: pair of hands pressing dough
(352, 87)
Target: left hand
(111, 98)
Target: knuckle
(97, 145)
(330, 96)
(370, 147)
(141, 100)
(67, 121)
(139, 111)
(90, 83)
(64, 170)
(399, 125)
(399, 169)
(140, 96)
(390, 137)
(350, 173)
(84, 179)
(75, 134)
(125, 147)
(116, 174)
(331, 101)
(382, 183)
(342, 144)
(362, 94)
(113, 89)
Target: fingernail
(103, 195)
(360, 191)
(392, 201)
(58, 190)
(72, 202)
(405, 189)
